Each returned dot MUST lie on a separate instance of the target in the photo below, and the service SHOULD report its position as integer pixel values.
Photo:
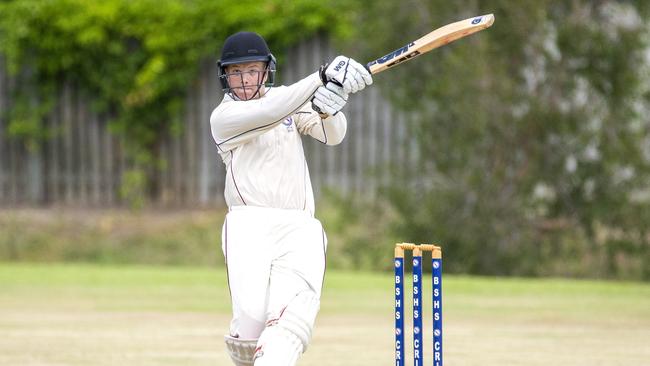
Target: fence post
(3, 147)
(34, 172)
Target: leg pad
(284, 339)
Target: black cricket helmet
(245, 47)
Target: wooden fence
(82, 164)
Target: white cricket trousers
(271, 255)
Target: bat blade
(435, 39)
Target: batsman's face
(247, 80)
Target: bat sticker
(404, 58)
(392, 55)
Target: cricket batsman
(274, 248)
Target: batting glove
(329, 99)
(347, 73)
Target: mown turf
(139, 315)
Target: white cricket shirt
(259, 142)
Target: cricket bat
(435, 39)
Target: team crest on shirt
(289, 124)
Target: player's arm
(236, 121)
(328, 129)
(324, 120)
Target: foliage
(533, 135)
(533, 143)
(135, 59)
(357, 231)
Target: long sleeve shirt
(260, 143)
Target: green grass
(116, 288)
(112, 236)
(77, 314)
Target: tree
(533, 140)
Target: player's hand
(347, 73)
(329, 99)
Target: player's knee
(241, 351)
(299, 316)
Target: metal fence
(82, 163)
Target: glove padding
(329, 99)
(347, 73)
